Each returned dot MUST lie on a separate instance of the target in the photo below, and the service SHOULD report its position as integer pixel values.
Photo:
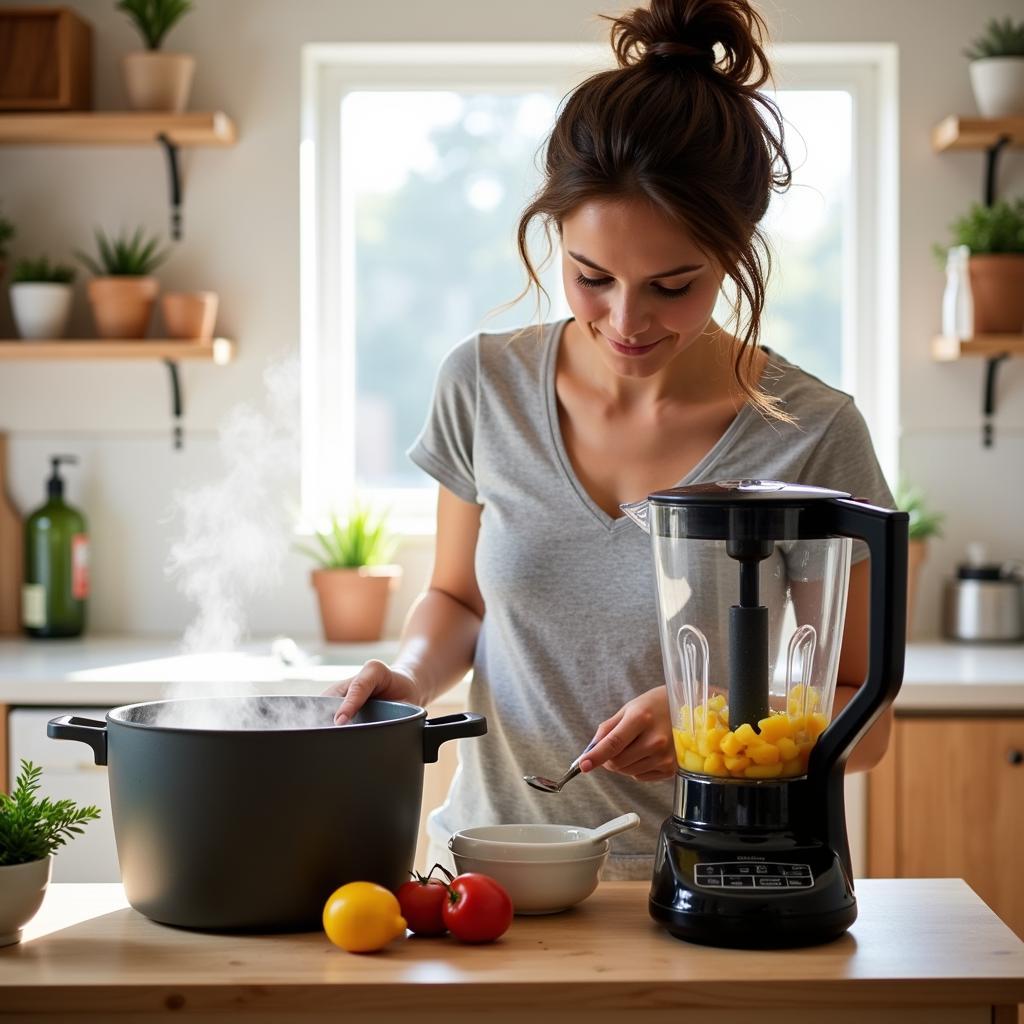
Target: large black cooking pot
(253, 826)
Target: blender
(752, 580)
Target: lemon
(362, 917)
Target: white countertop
(107, 671)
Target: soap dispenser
(56, 563)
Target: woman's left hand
(636, 740)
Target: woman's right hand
(374, 679)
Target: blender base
(749, 889)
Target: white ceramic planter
(22, 888)
(158, 81)
(40, 309)
(998, 84)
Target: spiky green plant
(362, 538)
(33, 828)
(924, 522)
(123, 256)
(1000, 39)
(154, 18)
(41, 272)
(7, 232)
(998, 228)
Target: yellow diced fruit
(763, 753)
(774, 727)
(698, 715)
(679, 739)
(816, 723)
(717, 702)
(730, 744)
(709, 741)
(745, 734)
(693, 762)
(763, 771)
(787, 749)
(711, 721)
(792, 767)
(737, 764)
(685, 719)
(797, 723)
(714, 764)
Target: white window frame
(327, 328)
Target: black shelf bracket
(176, 405)
(991, 160)
(992, 365)
(174, 176)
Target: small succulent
(123, 256)
(361, 539)
(923, 522)
(1001, 39)
(154, 18)
(7, 232)
(998, 228)
(41, 272)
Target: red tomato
(422, 901)
(477, 909)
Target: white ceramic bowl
(538, 886)
(526, 842)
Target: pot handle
(85, 730)
(439, 730)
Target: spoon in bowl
(555, 785)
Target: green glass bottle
(56, 564)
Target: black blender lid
(742, 491)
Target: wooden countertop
(923, 950)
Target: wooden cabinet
(948, 801)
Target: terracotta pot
(122, 306)
(997, 286)
(917, 551)
(353, 602)
(189, 315)
(22, 888)
(158, 81)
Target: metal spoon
(555, 786)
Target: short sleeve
(844, 460)
(444, 448)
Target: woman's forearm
(873, 744)
(438, 642)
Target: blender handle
(885, 532)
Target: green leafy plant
(998, 228)
(924, 522)
(33, 828)
(1000, 39)
(6, 234)
(123, 256)
(360, 539)
(154, 18)
(41, 272)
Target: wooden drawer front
(45, 59)
(960, 806)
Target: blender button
(742, 869)
(771, 883)
(799, 883)
(710, 880)
(739, 882)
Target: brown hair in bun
(680, 122)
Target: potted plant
(355, 579)
(41, 298)
(924, 523)
(189, 316)
(31, 831)
(997, 69)
(995, 236)
(123, 291)
(154, 80)
(6, 234)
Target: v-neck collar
(616, 523)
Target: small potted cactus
(997, 69)
(123, 291)
(32, 830)
(155, 80)
(41, 298)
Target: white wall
(241, 238)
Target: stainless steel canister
(984, 602)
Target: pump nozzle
(55, 485)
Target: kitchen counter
(926, 951)
(106, 671)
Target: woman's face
(638, 285)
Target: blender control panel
(753, 875)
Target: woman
(657, 175)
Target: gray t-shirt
(570, 632)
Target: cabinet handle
(1015, 757)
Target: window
(416, 161)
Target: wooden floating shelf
(218, 350)
(117, 128)
(946, 349)
(956, 132)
